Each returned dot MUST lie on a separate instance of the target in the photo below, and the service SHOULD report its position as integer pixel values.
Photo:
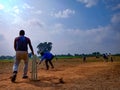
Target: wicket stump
(34, 68)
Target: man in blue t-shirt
(21, 47)
(47, 56)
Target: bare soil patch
(68, 74)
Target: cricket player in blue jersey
(47, 56)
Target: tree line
(47, 46)
(94, 54)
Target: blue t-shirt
(47, 56)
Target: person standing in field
(111, 58)
(105, 56)
(47, 56)
(84, 58)
(21, 47)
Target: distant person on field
(56, 57)
(21, 47)
(111, 58)
(105, 56)
(84, 58)
(47, 56)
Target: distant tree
(43, 47)
(6, 57)
(96, 54)
(76, 54)
(69, 54)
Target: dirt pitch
(68, 74)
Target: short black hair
(22, 32)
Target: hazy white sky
(73, 26)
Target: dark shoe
(25, 77)
(13, 78)
(52, 67)
(47, 69)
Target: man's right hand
(38, 63)
(32, 53)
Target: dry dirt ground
(68, 74)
